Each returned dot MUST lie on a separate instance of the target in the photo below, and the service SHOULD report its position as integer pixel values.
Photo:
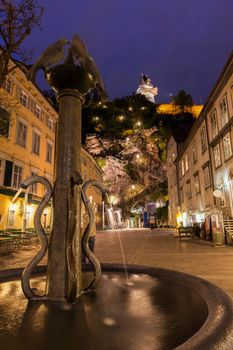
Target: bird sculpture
(51, 56)
(81, 57)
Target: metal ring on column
(25, 280)
(85, 238)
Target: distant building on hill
(170, 108)
(147, 89)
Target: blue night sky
(180, 44)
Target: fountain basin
(155, 309)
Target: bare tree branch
(17, 20)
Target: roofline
(220, 77)
(201, 118)
(18, 63)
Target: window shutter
(42, 115)
(31, 105)
(18, 93)
(8, 173)
(46, 120)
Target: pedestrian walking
(152, 221)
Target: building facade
(204, 164)
(170, 108)
(27, 147)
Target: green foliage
(119, 119)
(163, 155)
(183, 100)
(162, 213)
(101, 162)
(131, 171)
(120, 116)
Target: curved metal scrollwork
(25, 280)
(88, 253)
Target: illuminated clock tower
(147, 89)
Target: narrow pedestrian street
(158, 248)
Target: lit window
(49, 153)
(222, 199)
(35, 143)
(24, 98)
(227, 146)
(194, 152)
(186, 163)
(217, 156)
(203, 140)
(182, 168)
(206, 172)
(17, 176)
(50, 124)
(196, 183)
(21, 134)
(11, 217)
(34, 187)
(214, 125)
(38, 112)
(224, 111)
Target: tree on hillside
(121, 115)
(128, 138)
(17, 20)
(183, 101)
(133, 166)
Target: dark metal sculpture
(72, 80)
(54, 54)
(88, 253)
(25, 281)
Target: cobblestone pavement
(157, 248)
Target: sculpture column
(64, 259)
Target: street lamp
(138, 124)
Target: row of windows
(227, 149)
(224, 116)
(12, 174)
(27, 101)
(184, 165)
(21, 139)
(207, 183)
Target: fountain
(69, 305)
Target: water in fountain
(128, 283)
